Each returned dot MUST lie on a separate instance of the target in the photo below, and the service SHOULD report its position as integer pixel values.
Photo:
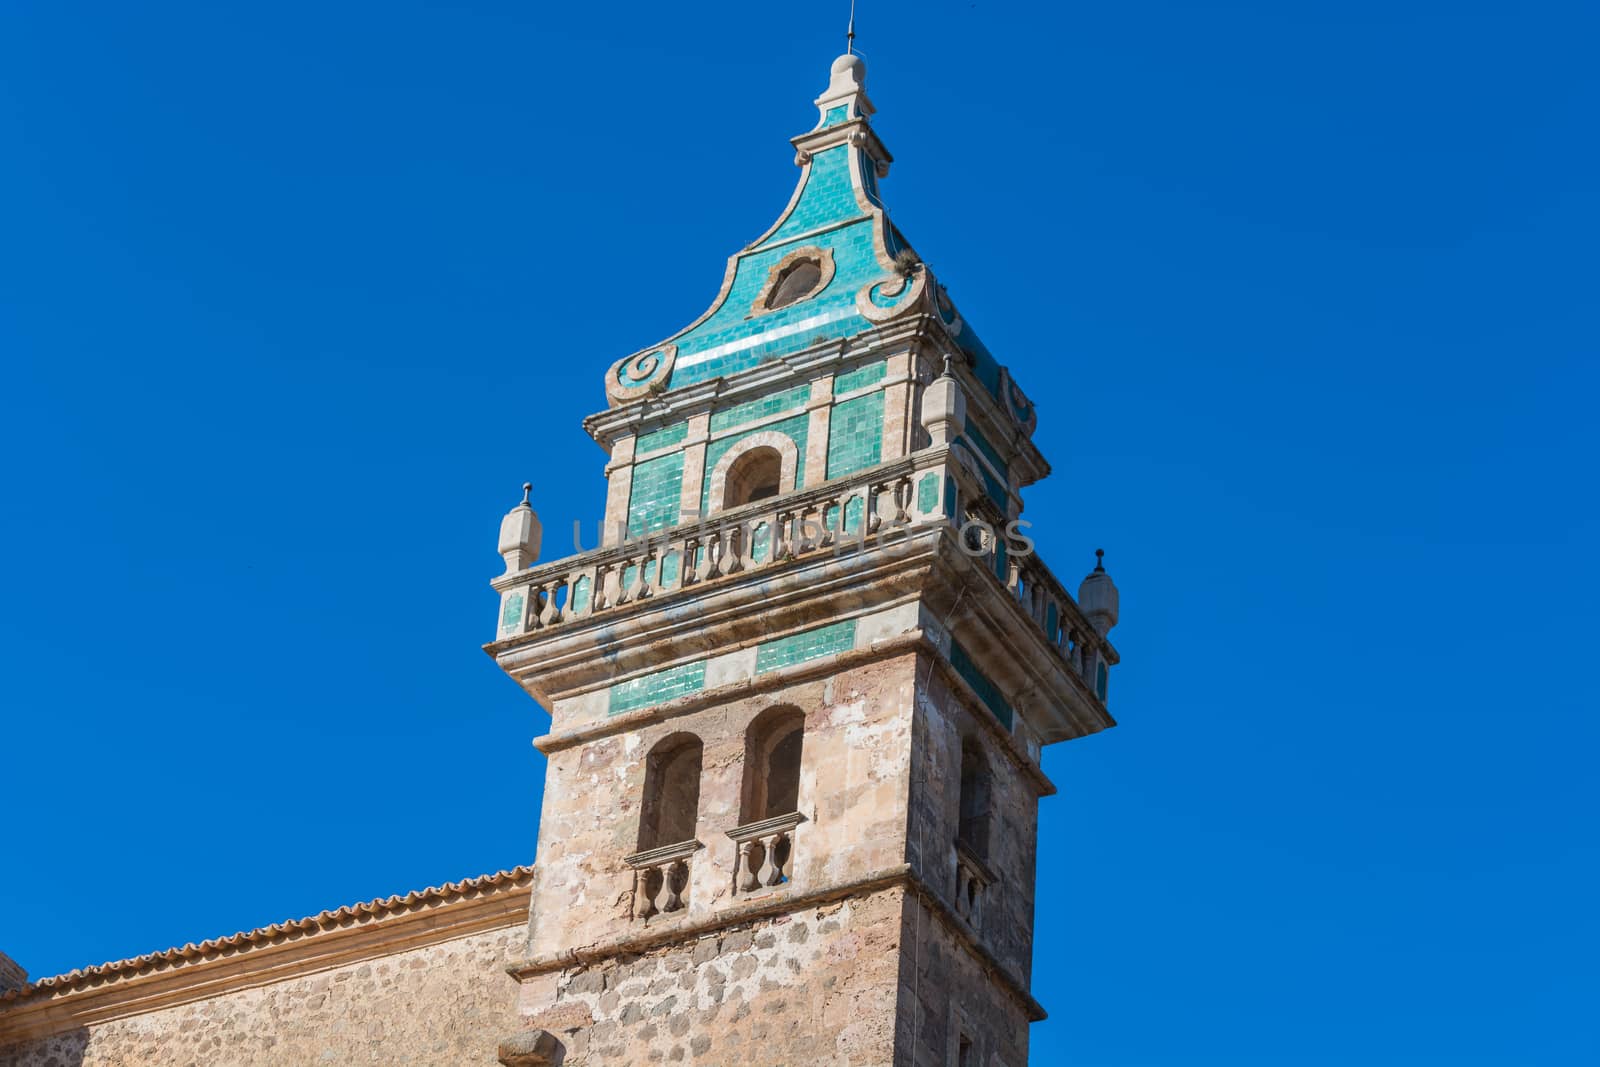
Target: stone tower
(799, 691)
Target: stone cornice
(1026, 762)
(927, 564)
(855, 132)
(266, 955)
(903, 875)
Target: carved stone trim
(655, 856)
(634, 377)
(824, 258)
(752, 830)
(788, 457)
(908, 295)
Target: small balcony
(661, 879)
(766, 853)
(973, 882)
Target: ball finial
(1100, 560)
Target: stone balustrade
(767, 533)
(862, 509)
(1038, 592)
(766, 852)
(661, 879)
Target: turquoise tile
(812, 644)
(658, 687)
(654, 499)
(987, 691)
(855, 435)
(662, 438)
(860, 378)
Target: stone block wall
(853, 794)
(946, 997)
(445, 1003)
(816, 986)
(944, 723)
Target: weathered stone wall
(817, 986)
(945, 996)
(441, 1004)
(853, 793)
(1004, 924)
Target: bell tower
(799, 691)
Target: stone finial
(1097, 596)
(848, 75)
(847, 84)
(944, 408)
(12, 976)
(520, 534)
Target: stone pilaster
(897, 396)
(619, 487)
(820, 405)
(694, 465)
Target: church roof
(337, 919)
(868, 271)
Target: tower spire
(850, 35)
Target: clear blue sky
(292, 300)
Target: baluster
(785, 842)
(736, 545)
(643, 589)
(686, 562)
(674, 878)
(805, 542)
(551, 613)
(902, 500)
(600, 593)
(780, 540)
(713, 548)
(666, 896)
(746, 878)
(643, 906)
(770, 874)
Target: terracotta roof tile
(350, 914)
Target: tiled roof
(351, 914)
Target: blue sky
(293, 299)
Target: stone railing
(864, 508)
(973, 879)
(1038, 592)
(766, 852)
(661, 879)
(735, 541)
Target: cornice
(902, 875)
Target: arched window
(772, 754)
(671, 792)
(796, 282)
(756, 475)
(973, 831)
